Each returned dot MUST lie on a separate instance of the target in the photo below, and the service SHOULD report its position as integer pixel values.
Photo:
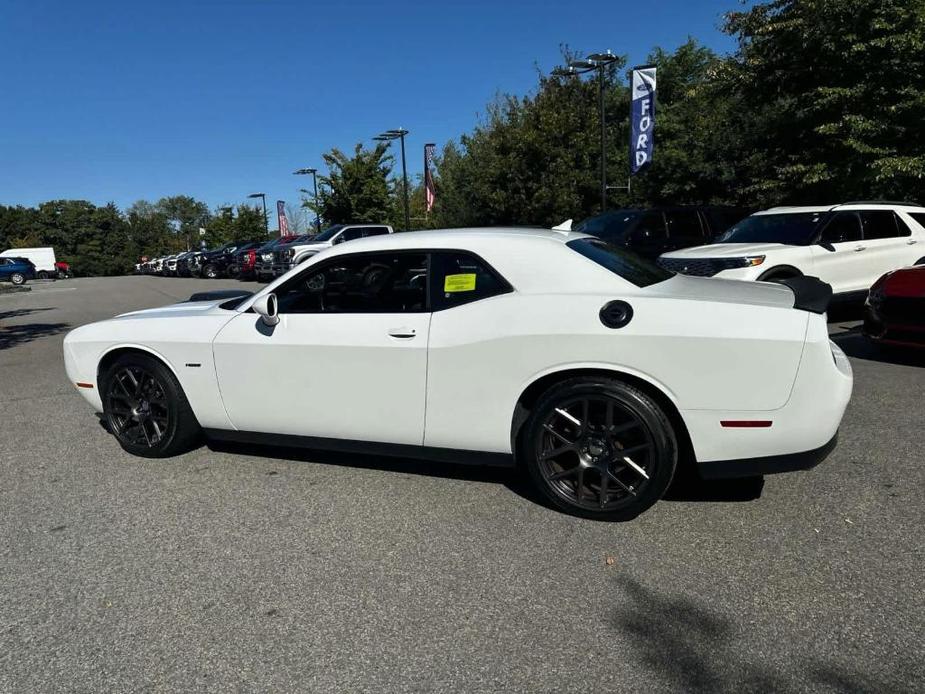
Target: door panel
(845, 267)
(350, 376)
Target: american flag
(281, 214)
(429, 190)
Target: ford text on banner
(642, 117)
(281, 214)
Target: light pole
(399, 134)
(314, 173)
(599, 62)
(266, 220)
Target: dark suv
(214, 264)
(651, 232)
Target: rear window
(620, 262)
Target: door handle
(859, 248)
(911, 242)
(402, 333)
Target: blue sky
(118, 101)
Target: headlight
(267, 257)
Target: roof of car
(856, 204)
(447, 238)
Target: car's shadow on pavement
(13, 335)
(686, 486)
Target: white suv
(849, 245)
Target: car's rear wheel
(146, 409)
(599, 448)
(18, 278)
(42, 275)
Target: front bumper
(908, 330)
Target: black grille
(900, 309)
(702, 267)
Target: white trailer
(42, 258)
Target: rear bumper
(768, 465)
(781, 439)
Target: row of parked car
(261, 260)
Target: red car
(894, 312)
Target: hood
(724, 291)
(727, 250)
(185, 309)
(312, 246)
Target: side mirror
(827, 246)
(267, 308)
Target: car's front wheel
(599, 448)
(210, 272)
(146, 409)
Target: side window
(842, 228)
(361, 283)
(4, 261)
(460, 278)
(684, 224)
(374, 231)
(350, 234)
(650, 228)
(879, 224)
(901, 227)
(919, 218)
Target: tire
(145, 408)
(18, 278)
(42, 275)
(210, 272)
(618, 417)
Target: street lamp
(266, 220)
(399, 134)
(599, 62)
(314, 173)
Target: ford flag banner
(281, 215)
(642, 115)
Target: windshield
(790, 228)
(609, 224)
(621, 262)
(328, 233)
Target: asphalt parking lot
(260, 570)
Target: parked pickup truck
(287, 257)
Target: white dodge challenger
(598, 372)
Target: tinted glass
(610, 224)
(375, 231)
(842, 228)
(329, 233)
(460, 278)
(918, 217)
(651, 227)
(879, 224)
(350, 234)
(901, 227)
(362, 283)
(621, 262)
(791, 228)
(684, 224)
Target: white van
(42, 258)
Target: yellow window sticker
(459, 283)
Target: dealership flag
(281, 215)
(642, 116)
(429, 191)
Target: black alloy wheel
(600, 449)
(210, 271)
(145, 408)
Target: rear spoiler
(219, 294)
(809, 293)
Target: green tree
(356, 188)
(830, 96)
(187, 215)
